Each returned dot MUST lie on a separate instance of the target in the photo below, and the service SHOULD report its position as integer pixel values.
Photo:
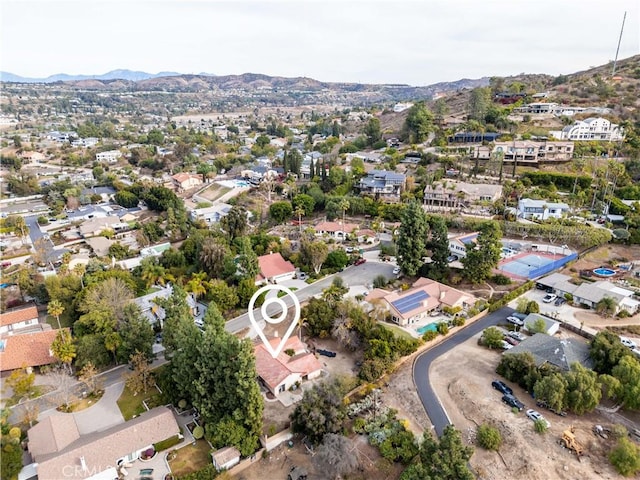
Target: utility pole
(615, 62)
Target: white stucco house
(591, 129)
(541, 209)
(110, 156)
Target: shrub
(443, 328)
(500, 279)
(198, 432)
(379, 282)
(623, 314)
(625, 457)
(533, 307)
(489, 437)
(167, 443)
(540, 426)
(182, 404)
(358, 425)
(458, 321)
(429, 335)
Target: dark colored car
(543, 404)
(512, 341)
(360, 261)
(512, 401)
(326, 353)
(502, 387)
(560, 301)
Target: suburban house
(383, 185)
(560, 352)
(186, 181)
(458, 244)
(210, 215)
(335, 230)
(551, 327)
(284, 371)
(30, 348)
(541, 209)
(85, 142)
(473, 137)
(426, 295)
(59, 451)
(453, 194)
(96, 226)
(150, 305)
(591, 129)
(110, 156)
(274, 269)
(590, 293)
(533, 152)
(14, 320)
(225, 458)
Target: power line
(615, 62)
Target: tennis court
(524, 266)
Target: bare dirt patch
(462, 380)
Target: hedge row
(498, 304)
(167, 443)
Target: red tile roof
(273, 265)
(19, 315)
(274, 370)
(335, 227)
(27, 349)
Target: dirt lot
(469, 400)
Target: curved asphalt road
(421, 366)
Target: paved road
(421, 367)
(354, 275)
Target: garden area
(190, 459)
(131, 405)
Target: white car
(506, 345)
(535, 416)
(517, 335)
(549, 297)
(396, 270)
(628, 342)
(515, 321)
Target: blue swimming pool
(431, 327)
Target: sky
(391, 41)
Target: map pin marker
(280, 301)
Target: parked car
(517, 335)
(452, 258)
(360, 261)
(560, 301)
(549, 297)
(627, 342)
(515, 320)
(502, 387)
(349, 249)
(543, 404)
(326, 353)
(535, 416)
(396, 270)
(512, 341)
(512, 401)
(301, 276)
(506, 345)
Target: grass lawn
(131, 406)
(36, 391)
(399, 332)
(190, 459)
(214, 192)
(85, 402)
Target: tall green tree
(321, 411)
(247, 259)
(177, 312)
(483, 256)
(625, 457)
(226, 392)
(606, 351)
(583, 389)
(280, 211)
(479, 103)
(372, 131)
(412, 238)
(314, 253)
(628, 373)
(439, 246)
(418, 124)
(136, 334)
(553, 390)
(64, 348)
(235, 223)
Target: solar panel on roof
(410, 302)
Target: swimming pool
(604, 272)
(234, 183)
(431, 327)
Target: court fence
(550, 267)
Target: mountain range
(122, 74)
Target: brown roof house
(186, 181)
(18, 319)
(284, 371)
(274, 269)
(31, 349)
(425, 296)
(336, 230)
(61, 453)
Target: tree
(126, 199)
(136, 334)
(418, 124)
(183, 373)
(336, 456)
(11, 450)
(446, 459)
(21, 382)
(606, 351)
(63, 348)
(625, 457)
(628, 373)
(65, 386)
(552, 389)
(212, 256)
(533, 307)
(248, 266)
(226, 393)
(479, 103)
(141, 379)
(337, 259)
(91, 348)
(319, 316)
(320, 412)
(56, 309)
(235, 223)
(304, 201)
(607, 306)
(439, 246)
(489, 437)
(412, 238)
(280, 211)
(152, 273)
(314, 253)
(344, 205)
(492, 337)
(537, 326)
(110, 295)
(372, 131)
(481, 258)
(583, 389)
(177, 313)
(197, 284)
(223, 295)
(89, 376)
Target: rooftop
(273, 265)
(18, 315)
(26, 349)
(559, 352)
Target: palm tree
(80, 269)
(606, 306)
(299, 212)
(344, 205)
(56, 309)
(197, 284)
(153, 272)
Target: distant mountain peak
(118, 74)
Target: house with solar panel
(458, 245)
(383, 185)
(414, 305)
